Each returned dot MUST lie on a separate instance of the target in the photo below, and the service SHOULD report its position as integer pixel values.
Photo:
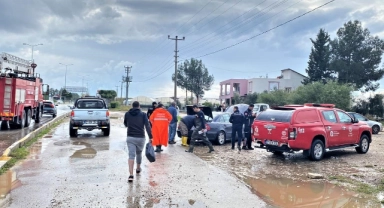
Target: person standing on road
(249, 117)
(160, 120)
(172, 126)
(150, 110)
(199, 131)
(237, 120)
(185, 125)
(136, 120)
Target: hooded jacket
(237, 118)
(136, 120)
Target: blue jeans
(172, 131)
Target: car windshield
(275, 116)
(90, 104)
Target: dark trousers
(237, 129)
(248, 136)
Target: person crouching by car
(249, 117)
(185, 125)
(237, 120)
(160, 120)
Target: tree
(65, 94)
(356, 56)
(237, 99)
(274, 98)
(194, 76)
(376, 106)
(318, 64)
(318, 92)
(361, 107)
(108, 94)
(251, 98)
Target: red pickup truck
(313, 128)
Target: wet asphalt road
(91, 171)
(9, 136)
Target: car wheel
(317, 150)
(72, 132)
(363, 145)
(107, 130)
(277, 152)
(28, 117)
(375, 129)
(54, 116)
(221, 138)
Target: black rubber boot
(191, 147)
(158, 148)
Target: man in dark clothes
(199, 131)
(150, 111)
(237, 120)
(186, 124)
(249, 117)
(136, 120)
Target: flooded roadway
(9, 136)
(91, 171)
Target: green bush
(115, 104)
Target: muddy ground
(350, 179)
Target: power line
(291, 20)
(230, 30)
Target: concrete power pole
(121, 93)
(117, 92)
(175, 39)
(127, 80)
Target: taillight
(292, 133)
(107, 113)
(52, 105)
(72, 113)
(207, 127)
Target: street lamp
(82, 85)
(32, 46)
(66, 67)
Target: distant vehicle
(49, 108)
(376, 126)
(89, 114)
(242, 108)
(260, 107)
(313, 128)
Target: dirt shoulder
(357, 175)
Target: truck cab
(312, 128)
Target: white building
(288, 81)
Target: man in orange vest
(160, 120)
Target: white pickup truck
(89, 113)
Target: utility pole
(127, 80)
(117, 92)
(175, 39)
(121, 93)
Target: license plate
(269, 142)
(90, 122)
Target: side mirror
(354, 120)
(56, 105)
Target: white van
(260, 107)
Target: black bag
(150, 152)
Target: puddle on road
(283, 192)
(87, 152)
(8, 182)
(133, 201)
(62, 143)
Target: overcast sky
(101, 37)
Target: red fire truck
(21, 92)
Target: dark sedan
(49, 108)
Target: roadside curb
(19, 143)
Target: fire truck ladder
(16, 64)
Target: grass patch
(381, 170)
(360, 187)
(23, 152)
(382, 201)
(120, 108)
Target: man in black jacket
(249, 117)
(150, 111)
(136, 120)
(185, 125)
(237, 120)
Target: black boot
(191, 147)
(158, 148)
(210, 148)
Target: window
(250, 86)
(329, 116)
(288, 89)
(343, 117)
(273, 86)
(219, 119)
(308, 116)
(226, 118)
(275, 116)
(359, 117)
(89, 104)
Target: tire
(363, 144)
(317, 150)
(21, 125)
(277, 152)
(54, 116)
(107, 130)
(221, 138)
(28, 117)
(39, 114)
(72, 132)
(375, 129)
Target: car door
(332, 128)
(227, 125)
(349, 130)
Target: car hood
(371, 123)
(206, 110)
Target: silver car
(376, 126)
